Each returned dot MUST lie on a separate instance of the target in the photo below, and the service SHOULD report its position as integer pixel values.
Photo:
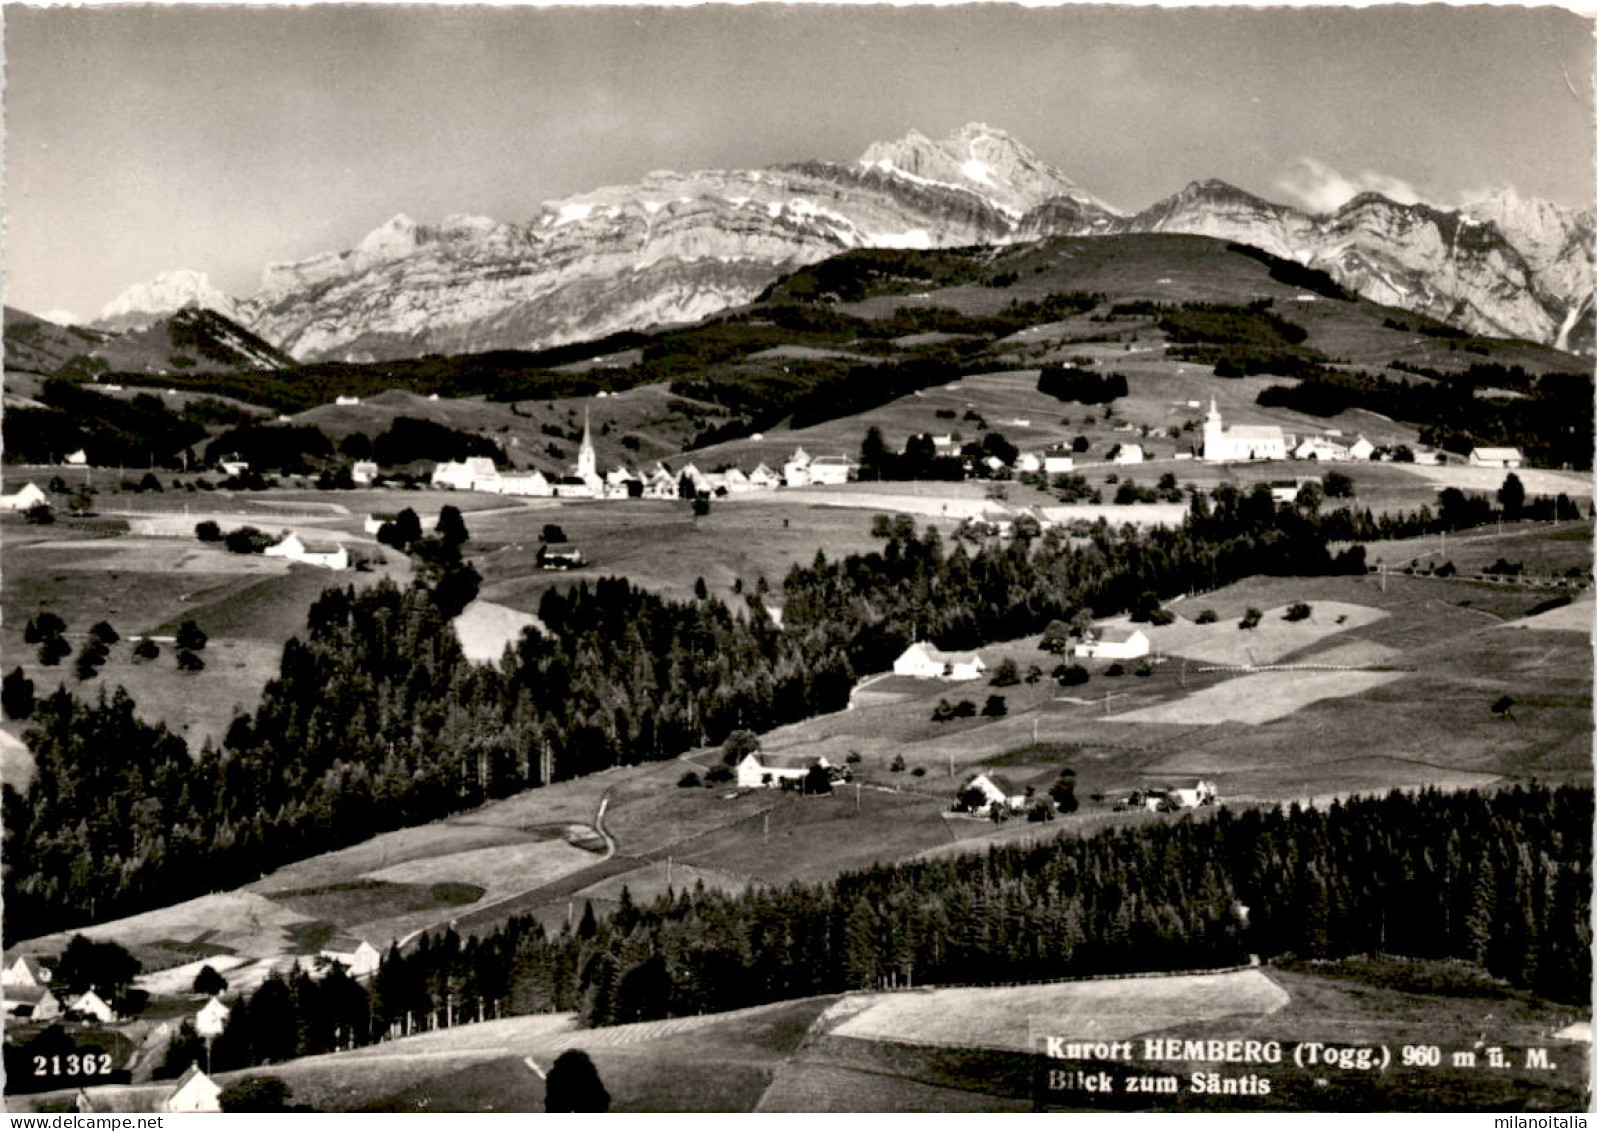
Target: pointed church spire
(587, 461)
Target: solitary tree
(1063, 791)
(995, 707)
(1511, 495)
(146, 649)
(16, 694)
(573, 1085)
(1504, 708)
(208, 531)
(208, 981)
(103, 632)
(191, 637)
(1056, 637)
(451, 526)
(1007, 673)
(738, 746)
(552, 532)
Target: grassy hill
(908, 1051)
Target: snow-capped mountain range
(679, 246)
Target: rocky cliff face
(1518, 270)
(677, 247)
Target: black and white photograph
(797, 558)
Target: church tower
(1213, 435)
(587, 461)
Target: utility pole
(1107, 696)
(767, 826)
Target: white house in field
(212, 1018)
(1496, 457)
(463, 475)
(28, 496)
(764, 478)
(327, 555)
(1129, 453)
(1240, 441)
(1114, 644)
(375, 520)
(1320, 448)
(927, 661)
(1361, 449)
(772, 770)
(357, 956)
(998, 791)
(194, 1092)
(1055, 464)
(363, 472)
(1185, 797)
(829, 471)
(796, 471)
(91, 1004)
(26, 970)
(531, 482)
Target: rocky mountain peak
(144, 303)
(980, 159)
(393, 240)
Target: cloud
(1320, 188)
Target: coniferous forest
(376, 721)
(1501, 879)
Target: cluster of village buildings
(585, 480)
(31, 998)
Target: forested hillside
(377, 721)
(1501, 879)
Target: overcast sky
(142, 140)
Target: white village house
(327, 555)
(926, 661)
(998, 792)
(1114, 644)
(1496, 457)
(463, 475)
(91, 1004)
(212, 1018)
(1183, 797)
(195, 1091)
(26, 970)
(27, 497)
(772, 770)
(357, 956)
(829, 471)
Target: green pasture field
(247, 605)
(1545, 550)
(660, 546)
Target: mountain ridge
(677, 246)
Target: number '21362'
(73, 1064)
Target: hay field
(502, 870)
(1274, 639)
(1009, 1017)
(1573, 617)
(486, 629)
(1258, 698)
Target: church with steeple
(587, 461)
(1240, 441)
